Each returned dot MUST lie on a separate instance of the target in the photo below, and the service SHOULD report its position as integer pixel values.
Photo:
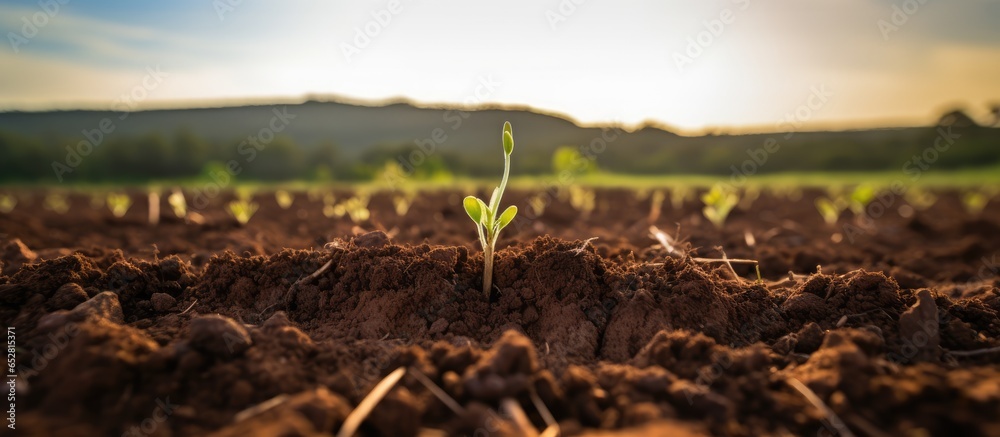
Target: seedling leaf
(473, 209)
(508, 143)
(506, 217)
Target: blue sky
(595, 60)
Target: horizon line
(731, 130)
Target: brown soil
(215, 329)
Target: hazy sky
(689, 64)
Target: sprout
(329, 209)
(678, 195)
(57, 203)
(656, 205)
(750, 194)
(284, 199)
(242, 210)
(830, 209)
(860, 198)
(920, 199)
(582, 199)
(719, 202)
(537, 203)
(244, 192)
(975, 202)
(7, 203)
(357, 208)
(177, 203)
(119, 203)
(403, 202)
(488, 222)
(154, 206)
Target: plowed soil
(884, 328)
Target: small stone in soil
(373, 240)
(162, 302)
(219, 336)
(104, 305)
(68, 297)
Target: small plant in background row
(679, 195)
(242, 210)
(7, 203)
(786, 191)
(919, 199)
(284, 199)
(750, 195)
(830, 208)
(357, 207)
(402, 202)
(975, 201)
(656, 205)
(177, 203)
(56, 203)
(719, 202)
(119, 203)
(860, 198)
(154, 205)
(488, 222)
(538, 203)
(330, 208)
(582, 199)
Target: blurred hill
(351, 141)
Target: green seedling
(330, 208)
(244, 192)
(679, 195)
(242, 210)
(357, 208)
(401, 203)
(719, 202)
(284, 199)
(154, 206)
(860, 198)
(750, 195)
(656, 205)
(57, 203)
(830, 209)
(488, 222)
(975, 202)
(537, 203)
(177, 203)
(582, 199)
(119, 203)
(642, 193)
(920, 199)
(7, 203)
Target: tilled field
(887, 328)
